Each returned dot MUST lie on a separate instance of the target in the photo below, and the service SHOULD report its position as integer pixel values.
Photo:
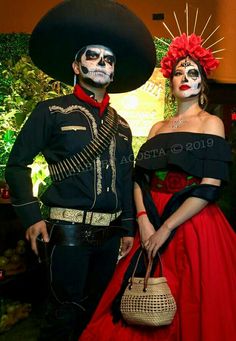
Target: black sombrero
(73, 24)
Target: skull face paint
(187, 79)
(96, 65)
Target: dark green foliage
(13, 46)
(161, 48)
(22, 85)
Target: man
(87, 146)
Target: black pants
(78, 276)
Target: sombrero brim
(73, 24)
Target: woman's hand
(146, 229)
(156, 240)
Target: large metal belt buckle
(75, 216)
(100, 219)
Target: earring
(75, 79)
(201, 99)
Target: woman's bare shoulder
(212, 124)
(154, 130)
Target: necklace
(177, 123)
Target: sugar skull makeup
(96, 65)
(187, 79)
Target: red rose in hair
(183, 46)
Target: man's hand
(126, 246)
(34, 231)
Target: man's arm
(31, 140)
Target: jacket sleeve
(31, 140)
(128, 209)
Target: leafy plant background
(22, 86)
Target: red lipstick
(184, 87)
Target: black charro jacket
(59, 128)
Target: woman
(179, 171)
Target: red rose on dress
(175, 181)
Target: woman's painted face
(186, 82)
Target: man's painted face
(187, 79)
(97, 65)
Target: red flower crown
(184, 46)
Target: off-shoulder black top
(201, 155)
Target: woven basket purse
(148, 301)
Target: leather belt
(85, 217)
(74, 235)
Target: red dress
(200, 266)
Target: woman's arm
(146, 229)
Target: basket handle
(135, 268)
(148, 270)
